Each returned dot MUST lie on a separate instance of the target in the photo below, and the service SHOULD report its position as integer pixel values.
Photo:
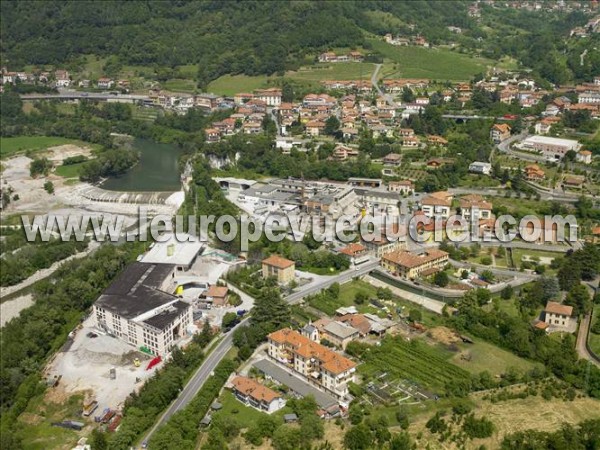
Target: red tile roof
(278, 261)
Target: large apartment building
(411, 265)
(314, 362)
(137, 309)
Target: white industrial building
(138, 308)
(552, 148)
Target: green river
(156, 171)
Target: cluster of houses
(60, 79)
(417, 40)
(332, 57)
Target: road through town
(214, 358)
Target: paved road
(197, 381)
(584, 327)
(74, 95)
(210, 363)
(374, 81)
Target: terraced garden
(414, 361)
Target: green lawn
(70, 171)
(333, 71)
(10, 146)
(519, 253)
(486, 356)
(233, 84)
(420, 62)
(38, 433)
(180, 85)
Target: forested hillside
(254, 38)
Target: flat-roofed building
(180, 250)
(553, 149)
(411, 265)
(278, 267)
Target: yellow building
(410, 265)
(278, 267)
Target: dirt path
(12, 308)
(41, 274)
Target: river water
(157, 169)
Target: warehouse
(137, 308)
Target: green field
(233, 84)
(333, 71)
(420, 62)
(35, 423)
(180, 85)
(414, 361)
(485, 356)
(12, 145)
(70, 171)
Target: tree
(287, 438)
(332, 125)
(579, 298)
(487, 276)
(360, 297)
(49, 187)
(358, 437)
(401, 441)
(98, 440)
(39, 166)
(507, 292)
(441, 279)
(415, 315)
(229, 320)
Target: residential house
(471, 203)
(252, 393)
(105, 83)
(381, 245)
(242, 97)
(404, 187)
(357, 253)
(543, 127)
(339, 333)
(280, 268)
(63, 79)
(533, 172)
(558, 315)
(357, 321)
(314, 362)
(410, 141)
(212, 135)
(479, 167)
(437, 204)
(409, 265)
(500, 132)
(392, 159)
(315, 127)
(272, 96)
(406, 132)
(217, 295)
(437, 140)
(584, 156)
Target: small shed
(290, 418)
